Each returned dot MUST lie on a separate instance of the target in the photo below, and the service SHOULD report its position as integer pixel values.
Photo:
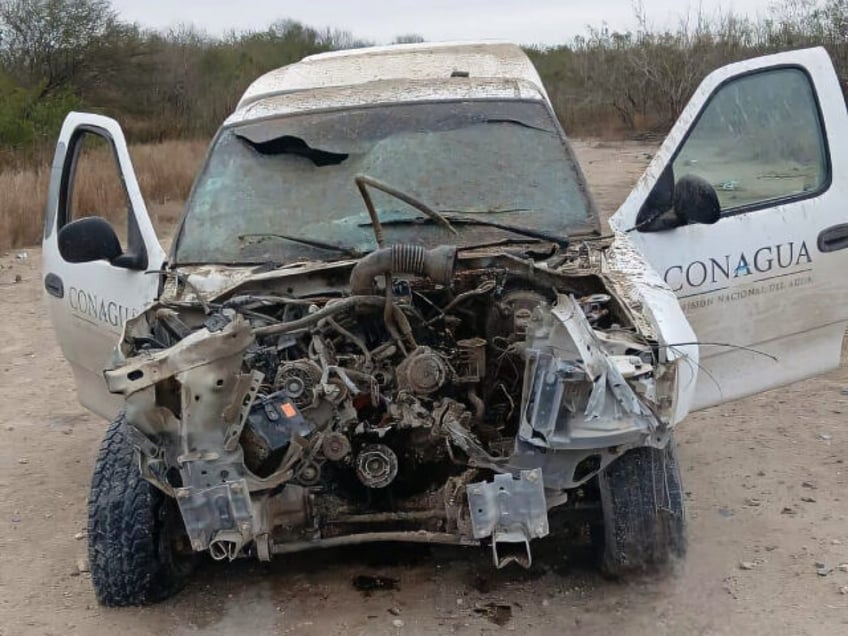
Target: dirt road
(765, 479)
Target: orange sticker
(288, 409)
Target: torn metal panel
(659, 317)
(575, 393)
(599, 365)
(198, 349)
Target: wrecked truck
(389, 312)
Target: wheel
(135, 532)
(644, 521)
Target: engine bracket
(510, 510)
(220, 515)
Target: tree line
(58, 55)
(638, 82)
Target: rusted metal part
(199, 349)
(383, 517)
(415, 536)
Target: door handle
(54, 285)
(833, 238)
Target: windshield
(502, 160)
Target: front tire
(643, 509)
(134, 530)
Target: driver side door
(764, 286)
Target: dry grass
(21, 206)
(165, 173)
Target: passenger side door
(763, 286)
(100, 252)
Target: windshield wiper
(517, 122)
(330, 247)
(363, 180)
(483, 211)
(501, 243)
(458, 219)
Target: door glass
(97, 188)
(758, 139)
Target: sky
(522, 21)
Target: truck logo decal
(86, 304)
(714, 270)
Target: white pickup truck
(390, 313)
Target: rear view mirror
(696, 201)
(89, 239)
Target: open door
(98, 246)
(743, 213)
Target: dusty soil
(765, 479)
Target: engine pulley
(335, 446)
(422, 372)
(376, 465)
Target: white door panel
(88, 302)
(769, 275)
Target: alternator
(298, 379)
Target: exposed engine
(384, 412)
(371, 391)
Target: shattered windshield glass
(268, 184)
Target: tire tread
(129, 565)
(644, 514)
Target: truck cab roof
(403, 72)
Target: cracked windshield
(268, 184)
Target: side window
(759, 139)
(92, 186)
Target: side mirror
(89, 239)
(696, 201)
